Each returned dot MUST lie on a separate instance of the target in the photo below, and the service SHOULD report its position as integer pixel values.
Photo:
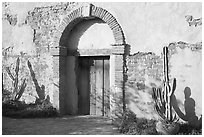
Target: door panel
(99, 86)
(106, 88)
(92, 90)
(83, 87)
(94, 81)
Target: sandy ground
(72, 125)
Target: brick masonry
(118, 49)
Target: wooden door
(94, 82)
(83, 86)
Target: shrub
(14, 105)
(132, 125)
(21, 110)
(186, 129)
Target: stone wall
(29, 32)
(31, 38)
(145, 70)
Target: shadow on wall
(189, 105)
(40, 90)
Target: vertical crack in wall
(34, 35)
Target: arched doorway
(89, 63)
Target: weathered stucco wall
(150, 26)
(145, 70)
(29, 32)
(186, 67)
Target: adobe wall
(145, 70)
(29, 29)
(28, 33)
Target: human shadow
(189, 106)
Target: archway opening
(69, 49)
(84, 71)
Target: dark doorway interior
(93, 86)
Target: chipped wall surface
(186, 67)
(28, 32)
(153, 25)
(145, 70)
(30, 38)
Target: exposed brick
(100, 12)
(119, 39)
(107, 17)
(118, 36)
(114, 24)
(74, 13)
(111, 20)
(93, 10)
(118, 51)
(117, 30)
(54, 51)
(97, 12)
(65, 21)
(61, 28)
(142, 64)
(104, 12)
(71, 16)
(63, 25)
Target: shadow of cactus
(163, 102)
(18, 90)
(40, 90)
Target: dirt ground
(72, 125)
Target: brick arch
(91, 11)
(117, 52)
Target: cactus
(40, 90)
(162, 97)
(17, 92)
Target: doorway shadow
(189, 107)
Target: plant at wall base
(18, 90)
(40, 90)
(162, 99)
(130, 124)
(19, 109)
